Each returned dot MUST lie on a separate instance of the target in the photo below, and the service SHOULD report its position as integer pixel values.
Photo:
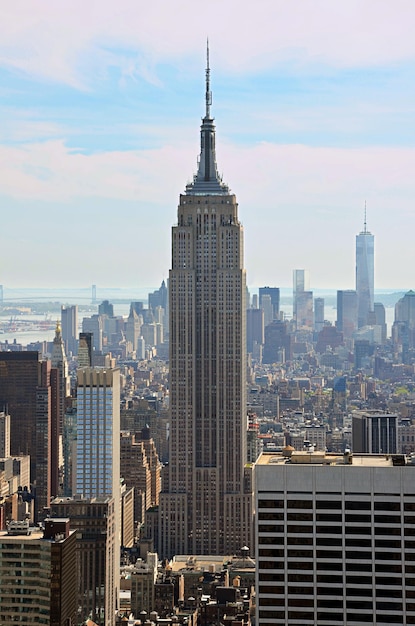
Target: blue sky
(101, 105)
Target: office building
(380, 319)
(206, 499)
(254, 330)
(4, 435)
(69, 324)
(133, 328)
(304, 314)
(85, 350)
(318, 314)
(274, 294)
(335, 541)
(38, 574)
(94, 325)
(347, 307)
(98, 453)
(365, 275)
(106, 308)
(301, 283)
(60, 384)
(25, 390)
(374, 432)
(96, 543)
(98, 428)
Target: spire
(207, 181)
(208, 92)
(365, 230)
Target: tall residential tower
(365, 275)
(205, 504)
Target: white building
(335, 540)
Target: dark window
(357, 517)
(359, 530)
(332, 530)
(300, 578)
(300, 541)
(299, 615)
(328, 504)
(300, 602)
(388, 543)
(359, 592)
(300, 504)
(328, 541)
(329, 554)
(270, 528)
(271, 577)
(388, 567)
(328, 517)
(330, 604)
(358, 604)
(358, 543)
(387, 506)
(388, 519)
(359, 567)
(357, 506)
(358, 580)
(299, 554)
(265, 515)
(292, 528)
(357, 554)
(270, 601)
(270, 504)
(299, 517)
(273, 552)
(329, 578)
(388, 606)
(329, 567)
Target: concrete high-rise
(38, 574)
(69, 323)
(335, 540)
(206, 499)
(365, 275)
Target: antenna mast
(208, 92)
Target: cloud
(69, 41)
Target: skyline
(101, 107)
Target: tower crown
(207, 181)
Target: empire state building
(206, 499)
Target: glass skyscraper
(365, 275)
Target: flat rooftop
(322, 458)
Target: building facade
(205, 504)
(38, 574)
(335, 540)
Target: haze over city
(313, 105)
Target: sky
(101, 104)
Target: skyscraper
(302, 299)
(26, 392)
(346, 312)
(365, 275)
(98, 464)
(205, 504)
(69, 323)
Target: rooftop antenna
(365, 229)
(208, 92)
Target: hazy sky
(101, 105)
